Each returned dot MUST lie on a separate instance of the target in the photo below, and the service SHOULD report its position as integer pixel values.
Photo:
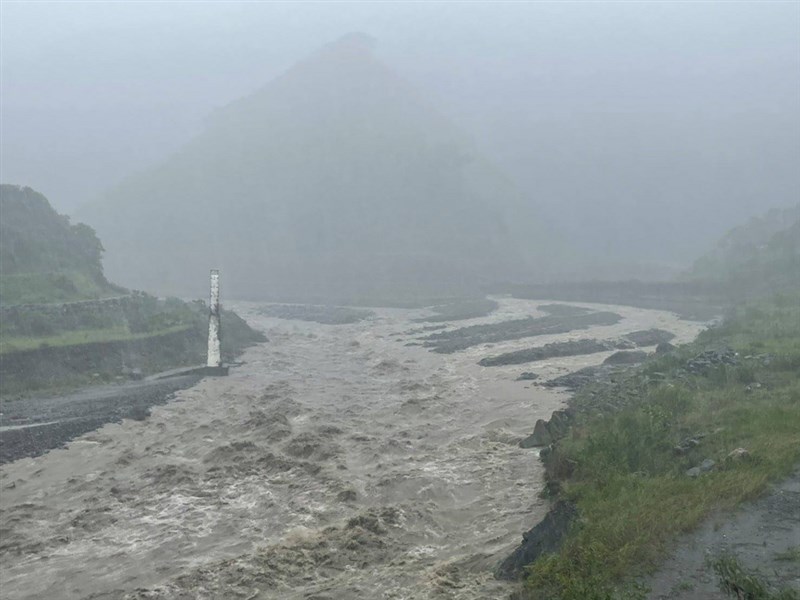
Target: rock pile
(705, 361)
(704, 467)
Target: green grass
(791, 555)
(64, 286)
(84, 336)
(628, 483)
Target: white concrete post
(214, 353)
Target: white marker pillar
(214, 353)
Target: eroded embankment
(50, 366)
(337, 462)
(51, 349)
(642, 455)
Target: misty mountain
(762, 254)
(335, 180)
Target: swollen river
(337, 462)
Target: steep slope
(62, 324)
(335, 180)
(44, 258)
(762, 254)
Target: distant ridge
(761, 255)
(334, 181)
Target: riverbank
(338, 461)
(57, 349)
(761, 538)
(32, 426)
(654, 451)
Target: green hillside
(43, 257)
(63, 324)
(762, 255)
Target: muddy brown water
(337, 462)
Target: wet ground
(32, 426)
(337, 462)
(764, 536)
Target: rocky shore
(606, 389)
(635, 339)
(555, 349)
(705, 427)
(447, 342)
(32, 426)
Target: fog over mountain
(762, 253)
(336, 179)
(637, 133)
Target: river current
(337, 462)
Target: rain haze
(486, 269)
(640, 130)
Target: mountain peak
(355, 40)
(335, 180)
(354, 45)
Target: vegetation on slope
(625, 469)
(763, 254)
(43, 257)
(757, 259)
(136, 317)
(53, 294)
(156, 335)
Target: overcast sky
(92, 91)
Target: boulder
(559, 423)
(547, 432)
(738, 455)
(580, 378)
(707, 465)
(545, 538)
(687, 444)
(541, 436)
(704, 467)
(527, 376)
(703, 362)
